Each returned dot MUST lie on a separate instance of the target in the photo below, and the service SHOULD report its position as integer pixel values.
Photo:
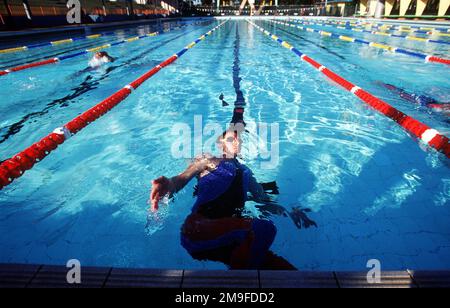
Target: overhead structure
(251, 4)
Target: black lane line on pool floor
(239, 103)
(240, 100)
(87, 85)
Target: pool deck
(89, 28)
(49, 276)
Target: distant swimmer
(419, 99)
(100, 58)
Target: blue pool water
(374, 192)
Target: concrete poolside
(49, 276)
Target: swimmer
(419, 99)
(100, 58)
(216, 229)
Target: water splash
(156, 220)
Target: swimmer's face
(231, 144)
(102, 55)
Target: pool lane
(428, 135)
(29, 58)
(426, 57)
(83, 52)
(16, 166)
(84, 87)
(413, 45)
(34, 55)
(60, 42)
(383, 31)
(366, 65)
(389, 24)
(89, 83)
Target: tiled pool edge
(49, 276)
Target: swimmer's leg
(254, 253)
(275, 262)
(240, 243)
(213, 239)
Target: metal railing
(280, 10)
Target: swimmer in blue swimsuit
(419, 99)
(216, 229)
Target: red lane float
(97, 111)
(146, 76)
(413, 126)
(16, 166)
(35, 64)
(311, 61)
(168, 61)
(338, 79)
(439, 60)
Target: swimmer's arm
(266, 205)
(163, 186)
(178, 182)
(256, 190)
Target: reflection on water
(443, 196)
(396, 196)
(327, 182)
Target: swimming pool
(373, 190)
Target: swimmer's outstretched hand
(160, 187)
(299, 217)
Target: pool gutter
(50, 276)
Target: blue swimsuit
(218, 212)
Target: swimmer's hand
(160, 187)
(299, 217)
(271, 208)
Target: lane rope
(426, 134)
(361, 30)
(426, 57)
(393, 26)
(365, 23)
(16, 166)
(63, 41)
